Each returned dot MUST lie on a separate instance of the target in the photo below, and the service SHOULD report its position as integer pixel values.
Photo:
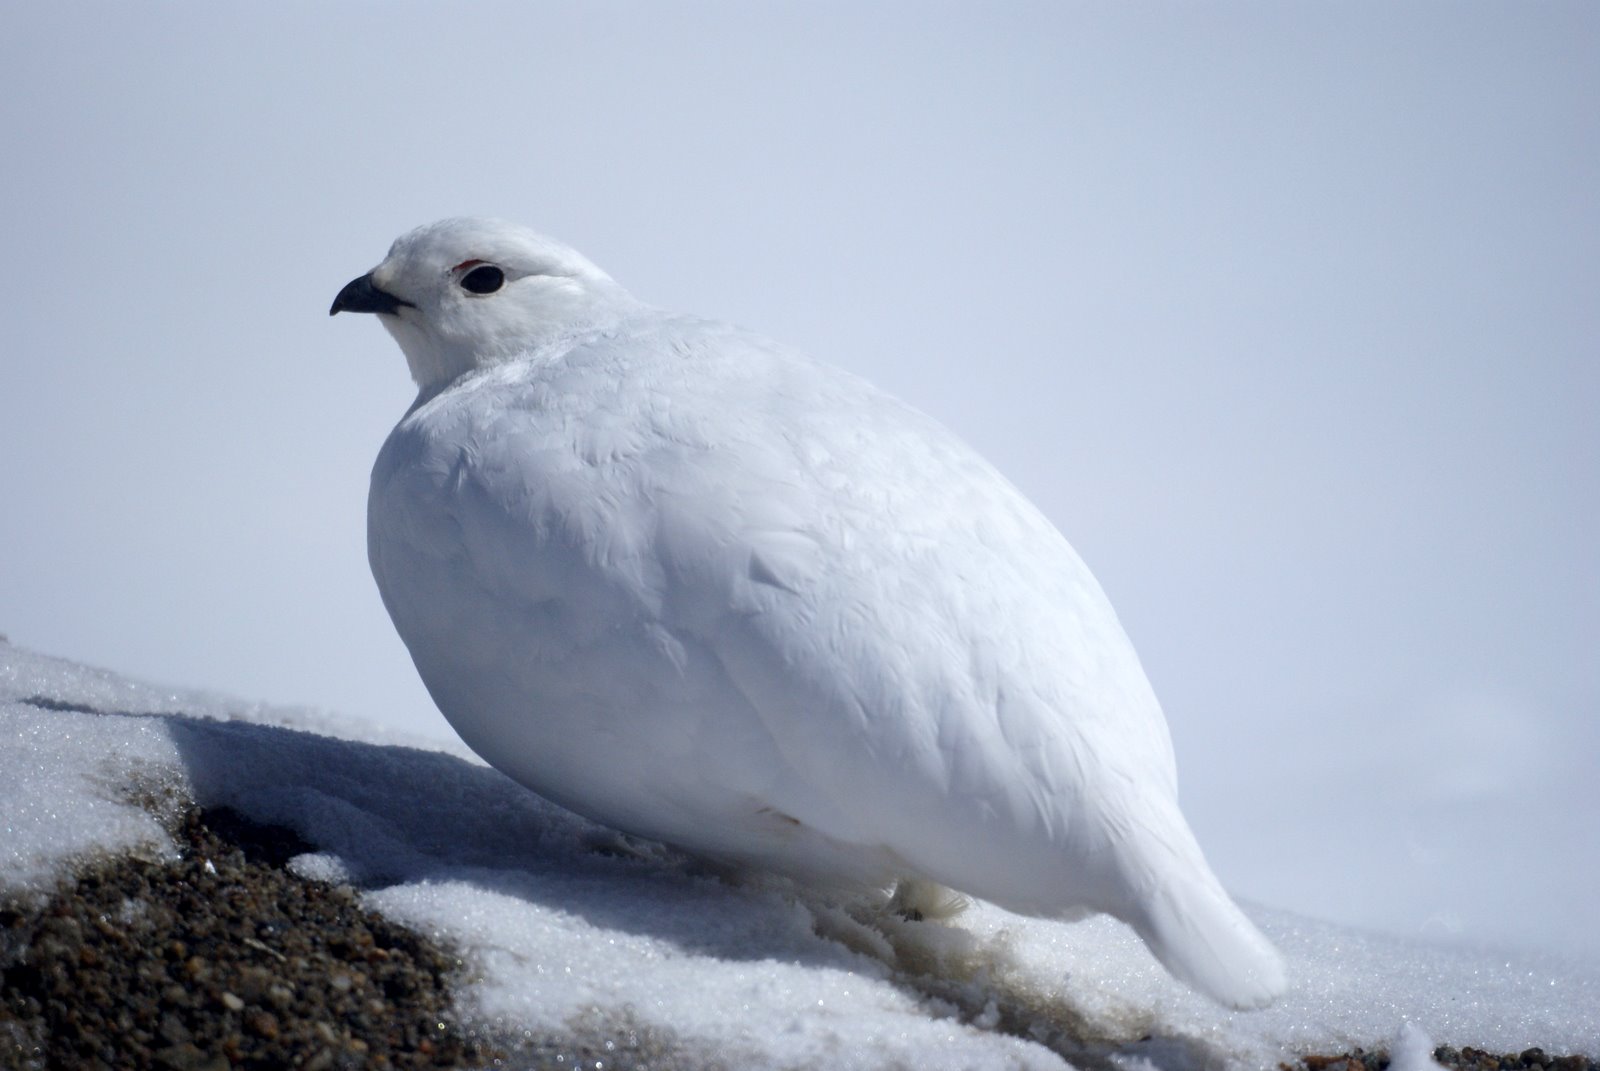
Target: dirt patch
(1463, 1059)
(222, 959)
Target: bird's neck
(437, 361)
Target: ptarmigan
(698, 587)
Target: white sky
(1286, 314)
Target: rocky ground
(1465, 1059)
(224, 959)
(221, 959)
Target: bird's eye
(484, 279)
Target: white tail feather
(1185, 916)
(1199, 934)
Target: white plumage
(701, 588)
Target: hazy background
(1288, 314)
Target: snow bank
(568, 926)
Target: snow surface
(569, 927)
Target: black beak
(359, 295)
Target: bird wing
(691, 544)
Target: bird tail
(1195, 929)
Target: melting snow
(565, 923)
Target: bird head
(464, 293)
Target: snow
(1411, 1050)
(567, 926)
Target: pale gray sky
(1286, 314)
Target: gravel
(221, 959)
(1463, 1059)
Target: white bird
(703, 589)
